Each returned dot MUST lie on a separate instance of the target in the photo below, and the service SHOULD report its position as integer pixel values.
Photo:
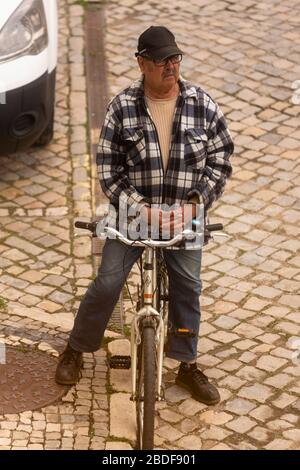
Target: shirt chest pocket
(135, 145)
(195, 143)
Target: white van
(28, 58)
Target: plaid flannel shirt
(129, 159)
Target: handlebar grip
(85, 225)
(214, 227)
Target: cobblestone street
(246, 56)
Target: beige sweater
(162, 113)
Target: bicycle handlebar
(185, 234)
(214, 227)
(91, 226)
(149, 242)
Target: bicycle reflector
(184, 332)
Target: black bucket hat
(157, 43)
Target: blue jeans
(103, 293)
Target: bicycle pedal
(119, 362)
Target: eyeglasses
(174, 59)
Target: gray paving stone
(279, 444)
(190, 443)
(257, 392)
(169, 433)
(122, 416)
(241, 425)
(240, 406)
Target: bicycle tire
(160, 283)
(146, 389)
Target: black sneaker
(68, 368)
(197, 383)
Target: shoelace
(199, 377)
(69, 356)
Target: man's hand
(151, 218)
(168, 223)
(151, 215)
(179, 219)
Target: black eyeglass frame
(163, 62)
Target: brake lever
(220, 234)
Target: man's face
(160, 78)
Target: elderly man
(164, 141)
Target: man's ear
(141, 63)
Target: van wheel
(46, 137)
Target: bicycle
(149, 327)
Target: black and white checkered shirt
(129, 160)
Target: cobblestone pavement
(246, 55)
(45, 269)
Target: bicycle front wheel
(146, 389)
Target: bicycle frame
(146, 337)
(149, 299)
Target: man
(164, 141)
